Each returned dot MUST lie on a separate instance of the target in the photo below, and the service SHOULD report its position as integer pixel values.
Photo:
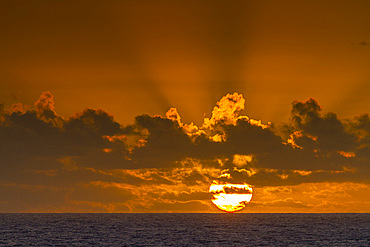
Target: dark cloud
(39, 139)
(360, 127)
(93, 139)
(87, 156)
(245, 138)
(328, 129)
(92, 122)
(165, 144)
(193, 178)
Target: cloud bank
(90, 163)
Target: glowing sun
(230, 197)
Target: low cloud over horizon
(91, 163)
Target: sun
(230, 197)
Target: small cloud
(45, 106)
(287, 202)
(363, 43)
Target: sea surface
(185, 229)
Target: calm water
(185, 229)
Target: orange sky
(130, 58)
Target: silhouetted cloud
(164, 144)
(161, 163)
(328, 132)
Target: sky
(137, 106)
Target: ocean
(222, 229)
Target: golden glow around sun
(230, 197)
